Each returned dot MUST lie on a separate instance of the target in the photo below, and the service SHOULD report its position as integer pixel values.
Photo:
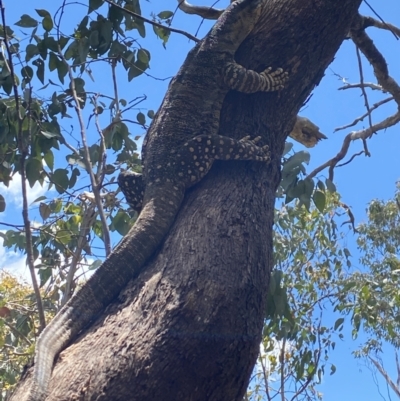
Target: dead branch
(378, 62)
(352, 136)
(361, 118)
(388, 84)
(364, 93)
(370, 85)
(369, 21)
(385, 375)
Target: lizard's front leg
(248, 81)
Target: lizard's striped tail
(106, 283)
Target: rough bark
(189, 327)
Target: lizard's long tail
(132, 253)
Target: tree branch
(388, 84)
(352, 136)
(188, 35)
(358, 119)
(96, 185)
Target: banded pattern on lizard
(304, 130)
(188, 119)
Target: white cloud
(13, 193)
(13, 262)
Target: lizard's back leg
(132, 186)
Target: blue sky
(359, 182)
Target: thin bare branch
(352, 136)
(115, 85)
(266, 375)
(101, 165)
(17, 226)
(351, 159)
(361, 118)
(68, 145)
(96, 185)
(388, 84)
(387, 378)
(370, 85)
(168, 28)
(378, 62)
(16, 332)
(362, 87)
(282, 360)
(87, 221)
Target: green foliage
(293, 186)
(307, 280)
(36, 139)
(17, 330)
(375, 290)
(31, 131)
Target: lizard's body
(179, 149)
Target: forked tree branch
(385, 81)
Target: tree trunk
(189, 327)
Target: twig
(385, 376)
(188, 35)
(352, 219)
(17, 333)
(101, 166)
(282, 360)
(19, 227)
(352, 136)
(23, 148)
(96, 186)
(68, 145)
(115, 85)
(316, 364)
(87, 221)
(364, 93)
(351, 159)
(265, 374)
(370, 85)
(358, 119)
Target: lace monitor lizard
(179, 149)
